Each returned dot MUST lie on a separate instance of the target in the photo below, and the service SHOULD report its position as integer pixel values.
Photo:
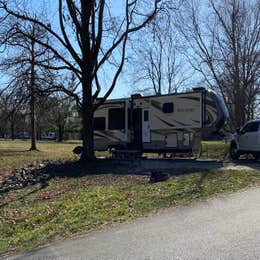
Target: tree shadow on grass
(12, 153)
(22, 197)
(204, 175)
(76, 169)
(39, 177)
(32, 175)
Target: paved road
(227, 227)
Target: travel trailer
(171, 123)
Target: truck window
(254, 127)
(99, 123)
(167, 108)
(116, 119)
(251, 127)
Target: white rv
(168, 123)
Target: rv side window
(116, 118)
(99, 123)
(168, 108)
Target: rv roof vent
(198, 89)
(136, 95)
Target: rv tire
(115, 147)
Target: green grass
(215, 149)
(67, 206)
(16, 153)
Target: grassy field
(16, 153)
(215, 149)
(66, 206)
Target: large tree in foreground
(90, 41)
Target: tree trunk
(88, 138)
(61, 129)
(240, 105)
(33, 121)
(87, 122)
(32, 102)
(12, 131)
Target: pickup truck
(246, 140)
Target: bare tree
(89, 37)
(12, 110)
(23, 62)
(224, 48)
(56, 111)
(158, 62)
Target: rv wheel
(115, 147)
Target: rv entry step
(126, 154)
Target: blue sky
(51, 8)
(124, 87)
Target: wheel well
(233, 143)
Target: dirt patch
(117, 171)
(242, 165)
(4, 173)
(240, 168)
(24, 176)
(42, 172)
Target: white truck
(171, 123)
(246, 140)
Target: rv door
(146, 126)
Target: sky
(124, 86)
(50, 7)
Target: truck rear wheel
(256, 156)
(234, 153)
